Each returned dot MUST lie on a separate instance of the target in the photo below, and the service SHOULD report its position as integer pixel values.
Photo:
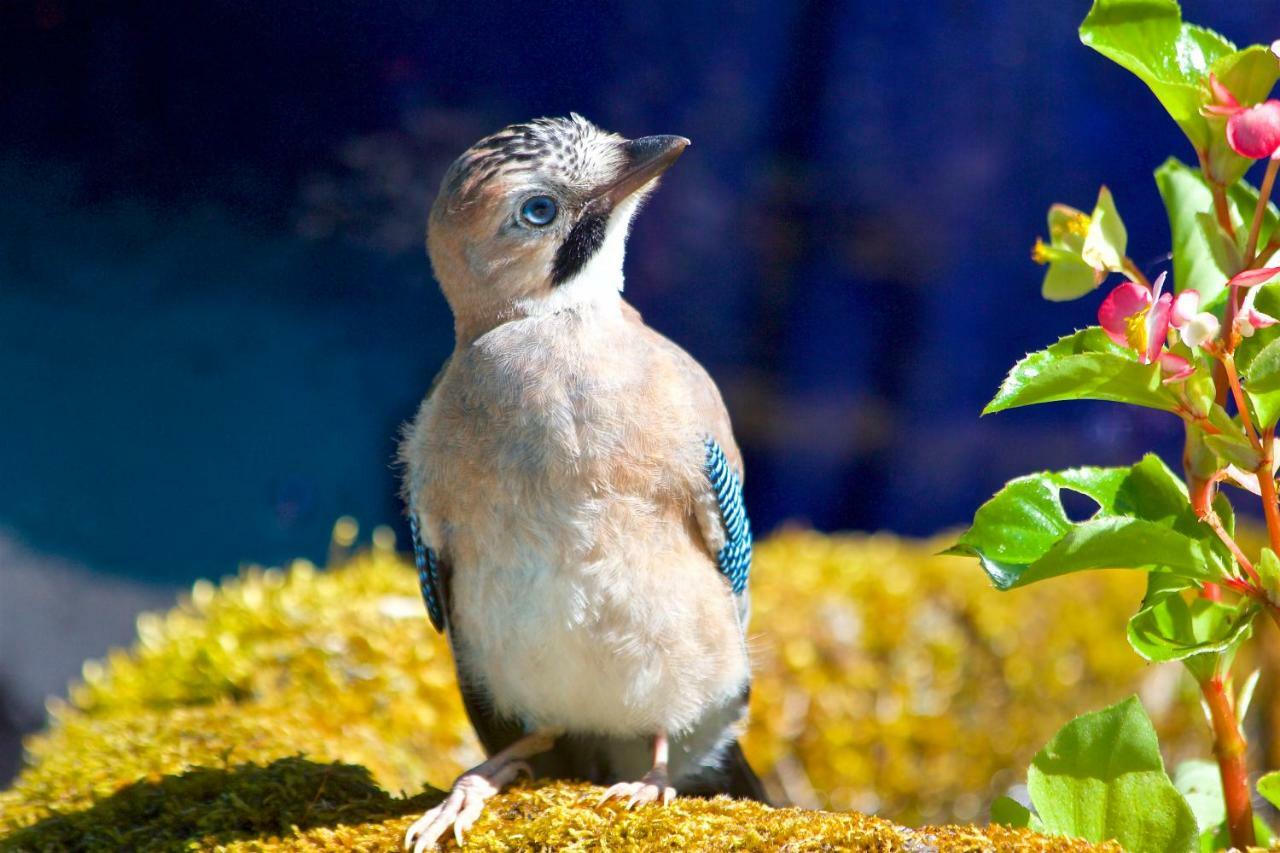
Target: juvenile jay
(574, 490)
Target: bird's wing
(495, 733)
(430, 576)
(431, 570)
(734, 536)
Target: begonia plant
(1195, 337)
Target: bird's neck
(597, 291)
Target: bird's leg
(472, 789)
(653, 786)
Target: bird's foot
(652, 788)
(463, 805)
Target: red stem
(1233, 379)
(1229, 748)
(1267, 488)
(1273, 245)
(1220, 206)
(1215, 524)
(1264, 195)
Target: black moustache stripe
(583, 242)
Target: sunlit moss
(888, 680)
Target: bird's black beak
(647, 158)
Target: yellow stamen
(1135, 330)
(1040, 252)
(1077, 225)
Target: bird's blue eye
(539, 210)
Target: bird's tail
(736, 779)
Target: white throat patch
(600, 280)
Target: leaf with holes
(1143, 520)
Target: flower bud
(1201, 329)
(1185, 307)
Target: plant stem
(1273, 245)
(1215, 524)
(1267, 489)
(1233, 379)
(1229, 748)
(1259, 212)
(1220, 206)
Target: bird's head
(534, 218)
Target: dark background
(215, 307)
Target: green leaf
(1204, 257)
(1084, 366)
(1149, 38)
(1264, 369)
(1266, 407)
(1025, 518)
(1168, 627)
(1242, 199)
(1262, 381)
(1244, 699)
(1268, 567)
(1200, 784)
(1143, 520)
(1007, 811)
(1125, 543)
(1101, 777)
(1220, 839)
(1104, 245)
(1269, 788)
(1235, 448)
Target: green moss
(284, 709)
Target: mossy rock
(281, 709)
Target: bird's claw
(653, 788)
(463, 805)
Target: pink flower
(1185, 306)
(1139, 319)
(1197, 328)
(1249, 319)
(1255, 132)
(1252, 132)
(1224, 103)
(1250, 278)
(1174, 367)
(1134, 318)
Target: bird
(574, 490)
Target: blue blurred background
(216, 311)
